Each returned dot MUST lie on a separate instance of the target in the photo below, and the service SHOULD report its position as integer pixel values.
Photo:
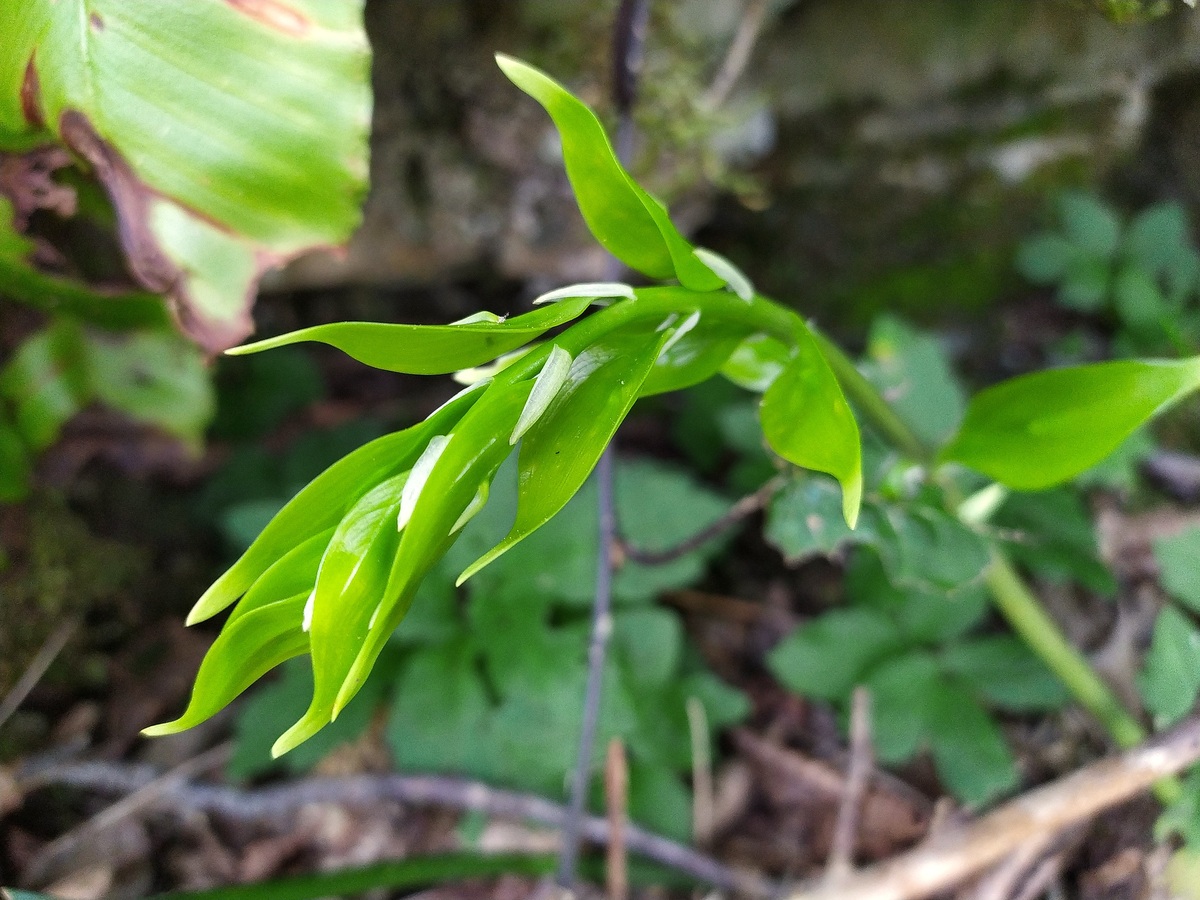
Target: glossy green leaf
(696, 348)
(325, 500)
(229, 136)
(244, 651)
(756, 362)
(559, 452)
(476, 448)
(293, 573)
(346, 599)
(808, 422)
(1038, 430)
(632, 225)
(429, 349)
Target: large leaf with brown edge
(230, 135)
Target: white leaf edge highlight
(478, 317)
(599, 290)
(420, 473)
(545, 388)
(477, 503)
(723, 268)
(684, 327)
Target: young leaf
(807, 421)
(243, 652)
(1038, 430)
(598, 290)
(1171, 678)
(696, 348)
(325, 500)
(756, 362)
(632, 225)
(562, 447)
(429, 349)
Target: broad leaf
(1171, 679)
(756, 362)
(325, 500)
(1176, 556)
(429, 349)
(632, 225)
(807, 421)
(1038, 430)
(229, 136)
(827, 657)
(695, 350)
(1003, 671)
(561, 449)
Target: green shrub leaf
(1041, 429)
(1171, 679)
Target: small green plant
(1145, 274)
(334, 573)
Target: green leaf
(659, 800)
(47, 381)
(244, 651)
(808, 422)
(901, 691)
(650, 642)
(1087, 285)
(969, 751)
(756, 362)
(1179, 574)
(440, 718)
(632, 225)
(695, 349)
(1052, 533)
(830, 655)
(15, 466)
(913, 372)
(922, 615)
(805, 520)
(1039, 430)
(429, 349)
(1003, 671)
(1171, 678)
(1043, 259)
(325, 500)
(560, 450)
(1158, 237)
(924, 547)
(1089, 224)
(229, 136)
(1139, 301)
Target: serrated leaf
(325, 500)
(1038, 430)
(805, 520)
(1003, 671)
(230, 136)
(632, 225)
(1177, 558)
(927, 548)
(827, 657)
(429, 349)
(808, 422)
(1171, 678)
(561, 449)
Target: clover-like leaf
(1038, 430)
(632, 225)
(429, 349)
(807, 421)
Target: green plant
(335, 572)
(1145, 274)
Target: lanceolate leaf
(692, 353)
(807, 421)
(631, 224)
(560, 451)
(294, 573)
(325, 500)
(1038, 430)
(346, 642)
(429, 349)
(229, 135)
(244, 651)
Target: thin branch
(743, 509)
(738, 56)
(858, 777)
(41, 661)
(703, 793)
(278, 805)
(950, 858)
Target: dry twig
(278, 805)
(951, 857)
(616, 792)
(41, 661)
(858, 776)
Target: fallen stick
(951, 857)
